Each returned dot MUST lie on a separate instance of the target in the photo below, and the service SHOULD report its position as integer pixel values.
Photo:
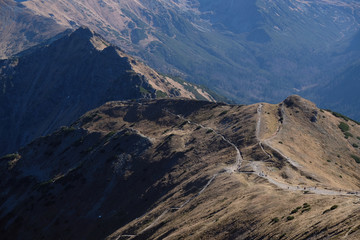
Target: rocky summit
(187, 169)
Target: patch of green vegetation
(306, 207)
(67, 130)
(289, 218)
(327, 210)
(209, 131)
(10, 157)
(110, 134)
(295, 210)
(355, 145)
(344, 127)
(306, 210)
(347, 135)
(356, 158)
(198, 128)
(331, 209)
(191, 88)
(274, 220)
(161, 94)
(358, 138)
(328, 160)
(339, 115)
(143, 90)
(281, 142)
(223, 113)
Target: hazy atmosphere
(179, 119)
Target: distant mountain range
(246, 50)
(52, 85)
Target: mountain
(20, 28)
(247, 50)
(180, 168)
(52, 85)
(346, 84)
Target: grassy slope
(170, 160)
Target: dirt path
(258, 169)
(238, 159)
(228, 169)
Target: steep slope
(247, 50)
(21, 28)
(53, 85)
(346, 84)
(170, 169)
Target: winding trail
(260, 172)
(238, 159)
(257, 170)
(228, 169)
(267, 141)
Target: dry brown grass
(183, 157)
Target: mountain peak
(297, 101)
(84, 36)
(73, 75)
(83, 31)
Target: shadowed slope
(158, 169)
(52, 85)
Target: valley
(179, 119)
(248, 51)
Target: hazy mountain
(341, 95)
(247, 50)
(52, 85)
(170, 169)
(20, 28)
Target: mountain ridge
(269, 51)
(54, 84)
(179, 159)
